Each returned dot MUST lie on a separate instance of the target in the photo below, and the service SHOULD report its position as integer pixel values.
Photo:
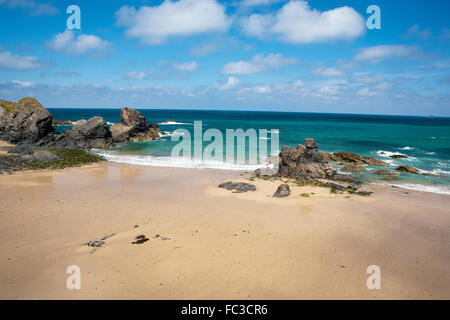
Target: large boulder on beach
(134, 127)
(282, 191)
(94, 133)
(26, 121)
(304, 161)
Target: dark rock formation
(26, 121)
(93, 133)
(134, 127)
(283, 190)
(398, 156)
(238, 186)
(349, 157)
(353, 168)
(408, 169)
(304, 161)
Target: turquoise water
(425, 141)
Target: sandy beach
(209, 243)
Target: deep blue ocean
(425, 141)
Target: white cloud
(67, 43)
(186, 67)
(259, 63)
(365, 92)
(35, 8)
(253, 3)
(181, 18)
(17, 62)
(262, 89)
(378, 53)
(328, 72)
(23, 83)
(231, 83)
(135, 75)
(296, 22)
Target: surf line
(193, 310)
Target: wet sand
(217, 244)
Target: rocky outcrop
(353, 168)
(283, 190)
(94, 133)
(62, 122)
(304, 161)
(349, 157)
(398, 156)
(409, 169)
(383, 172)
(26, 121)
(134, 127)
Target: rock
(23, 149)
(391, 177)
(62, 122)
(398, 156)
(353, 168)
(44, 156)
(354, 158)
(25, 121)
(409, 169)
(95, 243)
(140, 239)
(82, 121)
(334, 186)
(383, 172)
(93, 133)
(364, 193)
(238, 186)
(343, 177)
(304, 161)
(283, 190)
(134, 127)
(433, 175)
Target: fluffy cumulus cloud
(35, 8)
(137, 75)
(297, 22)
(328, 72)
(154, 24)
(18, 62)
(378, 53)
(67, 42)
(231, 83)
(259, 63)
(185, 67)
(254, 3)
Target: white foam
(177, 162)
(406, 148)
(172, 122)
(387, 154)
(424, 188)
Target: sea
(425, 141)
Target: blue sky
(305, 56)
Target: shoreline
(218, 244)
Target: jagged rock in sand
(238, 186)
(352, 158)
(353, 168)
(134, 127)
(140, 239)
(26, 121)
(334, 186)
(409, 169)
(93, 133)
(62, 122)
(304, 161)
(283, 190)
(398, 156)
